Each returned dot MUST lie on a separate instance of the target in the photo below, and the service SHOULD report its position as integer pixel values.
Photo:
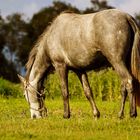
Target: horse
(74, 42)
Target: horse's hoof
(133, 115)
(121, 115)
(66, 116)
(97, 115)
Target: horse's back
(72, 36)
(76, 39)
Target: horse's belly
(82, 60)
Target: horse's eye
(25, 87)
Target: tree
(2, 38)
(16, 44)
(15, 30)
(44, 17)
(98, 5)
(16, 41)
(7, 70)
(137, 17)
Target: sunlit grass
(15, 122)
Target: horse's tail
(135, 58)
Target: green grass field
(15, 122)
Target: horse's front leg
(132, 98)
(63, 75)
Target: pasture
(15, 122)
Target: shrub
(9, 89)
(105, 85)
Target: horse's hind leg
(63, 75)
(124, 95)
(88, 92)
(127, 86)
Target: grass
(15, 122)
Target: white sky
(29, 7)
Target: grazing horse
(73, 42)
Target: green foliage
(8, 89)
(105, 85)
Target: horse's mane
(31, 60)
(33, 53)
(67, 11)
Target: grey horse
(73, 42)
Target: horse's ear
(22, 79)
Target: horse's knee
(65, 97)
(129, 86)
(88, 96)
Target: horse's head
(35, 98)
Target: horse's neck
(40, 63)
(34, 77)
(37, 71)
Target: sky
(29, 7)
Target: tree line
(17, 35)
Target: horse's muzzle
(40, 113)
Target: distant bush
(9, 89)
(105, 85)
